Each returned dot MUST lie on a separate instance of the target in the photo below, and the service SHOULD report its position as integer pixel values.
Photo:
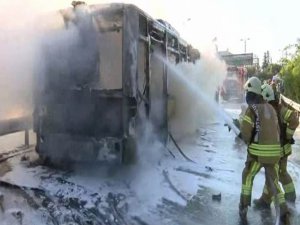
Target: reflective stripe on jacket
(290, 121)
(260, 130)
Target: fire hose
(179, 149)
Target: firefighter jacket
(289, 121)
(260, 130)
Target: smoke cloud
(25, 26)
(19, 33)
(188, 111)
(16, 59)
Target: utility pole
(215, 40)
(245, 43)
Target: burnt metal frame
(180, 50)
(131, 35)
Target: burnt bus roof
(116, 8)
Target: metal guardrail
(24, 123)
(14, 125)
(290, 102)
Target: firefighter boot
(243, 212)
(261, 204)
(285, 219)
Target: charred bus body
(91, 100)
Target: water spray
(221, 112)
(195, 90)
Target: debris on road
(17, 214)
(209, 168)
(217, 197)
(25, 158)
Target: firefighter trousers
(286, 181)
(252, 167)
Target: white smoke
(24, 25)
(16, 58)
(18, 55)
(188, 111)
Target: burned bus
(97, 87)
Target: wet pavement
(167, 191)
(224, 155)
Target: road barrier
(290, 102)
(8, 126)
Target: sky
(269, 24)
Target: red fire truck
(232, 87)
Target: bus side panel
(158, 95)
(130, 51)
(130, 67)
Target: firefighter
(289, 121)
(260, 130)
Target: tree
(269, 71)
(251, 71)
(291, 74)
(266, 60)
